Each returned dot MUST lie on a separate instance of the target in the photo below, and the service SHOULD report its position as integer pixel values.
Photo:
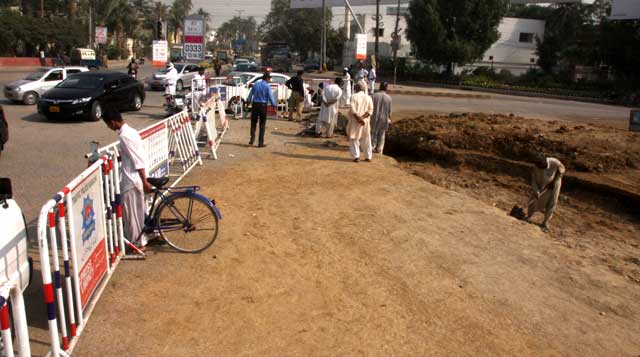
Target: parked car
(15, 264)
(311, 64)
(29, 89)
(185, 74)
(248, 78)
(86, 94)
(4, 130)
(246, 67)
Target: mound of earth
(582, 148)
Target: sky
(223, 10)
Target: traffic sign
(101, 35)
(194, 39)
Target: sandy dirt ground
(322, 256)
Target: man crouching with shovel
(546, 181)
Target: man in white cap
(172, 79)
(546, 181)
(346, 90)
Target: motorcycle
(177, 103)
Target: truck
(277, 56)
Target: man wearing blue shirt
(260, 96)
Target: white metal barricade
(206, 125)
(12, 291)
(88, 214)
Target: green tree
(206, 16)
(300, 28)
(445, 32)
(179, 10)
(238, 28)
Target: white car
(15, 264)
(185, 74)
(31, 88)
(248, 78)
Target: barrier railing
(88, 213)
(10, 291)
(206, 124)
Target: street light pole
(323, 40)
(377, 28)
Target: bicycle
(186, 220)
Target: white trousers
(133, 211)
(170, 89)
(363, 144)
(377, 139)
(373, 85)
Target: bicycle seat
(158, 182)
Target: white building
(515, 50)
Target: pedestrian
(362, 72)
(43, 59)
(546, 181)
(359, 127)
(329, 109)
(296, 100)
(133, 184)
(217, 67)
(381, 118)
(346, 91)
(172, 79)
(372, 78)
(317, 96)
(132, 68)
(260, 96)
(199, 88)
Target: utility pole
(240, 13)
(323, 39)
(395, 42)
(377, 29)
(90, 25)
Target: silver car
(31, 88)
(185, 74)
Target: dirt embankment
(484, 156)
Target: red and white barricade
(87, 213)
(10, 291)
(206, 125)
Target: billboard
(194, 38)
(625, 10)
(90, 242)
(361, 46)
(310, 4)
(101, 35)
(160, 53)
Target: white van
(15, 264)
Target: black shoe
(356, 160)
(367, 160)
(262, 145)
(251, 143)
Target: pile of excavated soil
(582, 148)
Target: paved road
(42, 156)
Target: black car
(85, 95)
(4, 130)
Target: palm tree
(206, 16)
(179, 9)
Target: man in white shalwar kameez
(329, 109)
(133, 184)
(546, 181)
(359, 128)
(381, 118)
(346, 90)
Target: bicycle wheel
(188, 223)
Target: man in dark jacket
(296, 101)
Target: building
(515, 50)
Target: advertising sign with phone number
(194, 38)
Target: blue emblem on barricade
(88, 219)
